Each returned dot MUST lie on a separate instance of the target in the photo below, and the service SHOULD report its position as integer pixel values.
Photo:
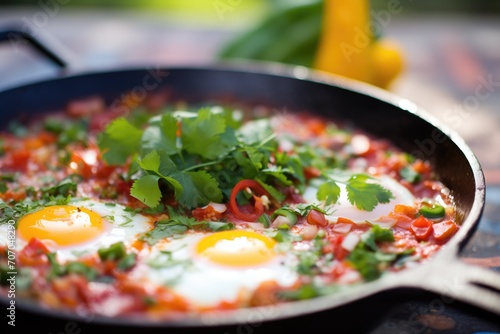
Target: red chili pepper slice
(257, 191)
(422, 228)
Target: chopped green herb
(114, 252)
(367, 257)
(126, 262)
(57, 269)
(220, 226)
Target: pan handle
(17, 37)
(455, 280)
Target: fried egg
(209, 268)
(81, 227)
(343, 208)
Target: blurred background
(443, 55)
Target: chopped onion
(265, 201)
(387, 222)
(280, 221)
(342, 228)
(360, 144)
(350, 241)
(218, 207)
(308, 232)
(256, 226)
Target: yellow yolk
(236, 248)
(65, 225)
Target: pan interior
(367, 108)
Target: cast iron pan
(443, 277)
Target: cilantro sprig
(361, 190)
(186, 153)
(199, 157)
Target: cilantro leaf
(119, 141)
(366, 256)
(162, 136)
(329, 192)
(199, 188)
(177, 223)
(275, 193)
(220, 226)
(147, 190)
(376, 234)
(204, 134)
(254, 132)
(365, 262)
(162, 231)
(365, 195)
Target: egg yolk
(236, 248)
(64, 225)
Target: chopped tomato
(206, 213)
(85, 107)
(344, 220)
(257, 191)
(99, 121)
(405, 210)
(422, 228)
(334, 246)
(317, 218)
(88, 164)
(421, 167)
(311, 172)
(17, 160)
(444, 230)
(72, 290)
(316, 126)
(265, 294)
(34, 253)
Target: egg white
(203, 283)
(119, 225)
(343, 208)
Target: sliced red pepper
(317, 218)
(257, 191)
(444, 230)
(422, 228)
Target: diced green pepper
(287, 213)
(432, 212)
(114, 252)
